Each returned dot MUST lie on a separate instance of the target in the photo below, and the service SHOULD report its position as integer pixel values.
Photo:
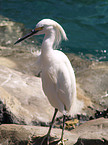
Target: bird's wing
(64, 88)
(66, 85)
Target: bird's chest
(49, 68)
(49, 74)
(49, 79)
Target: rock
(92, 80)
(17, 134)
(6, 62)
(23, 97)
(22, 62)
(94, 132)
(9, 31)
(91, 133)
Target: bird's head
(44, 26)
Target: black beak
(26, 36)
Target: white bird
(58, 79)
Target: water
(85, 22)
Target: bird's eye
(41, 28)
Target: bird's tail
(77, 106)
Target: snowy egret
(58, 79)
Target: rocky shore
(25, 110)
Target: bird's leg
(52, 122)
(64, 118)
(62, 140)
(49, 131)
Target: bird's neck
(48, 41)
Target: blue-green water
(85, 21)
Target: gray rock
(23, 96)
(17, 134)
(90, 133)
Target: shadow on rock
(36, 140)
(91, 142)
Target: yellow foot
(71, 123)
(62, 142)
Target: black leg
(49, 131)
(52, 122)
(64, 117)
(61, 141)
